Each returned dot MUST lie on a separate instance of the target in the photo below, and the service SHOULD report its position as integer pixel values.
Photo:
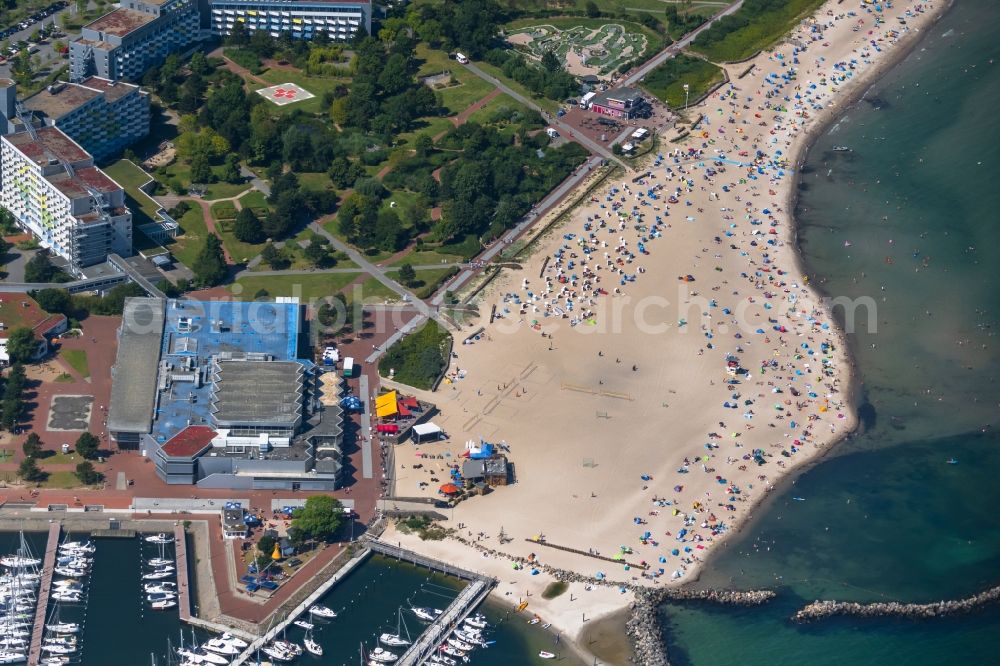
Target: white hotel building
(51, 186)
(340, 19)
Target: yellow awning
(385, 405)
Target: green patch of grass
(130, 177)
(427, 258)
(467, 248)
(314, 181)
(667, 81)
(64, 480)
(304, 286)
(428, 281)
(64, 378)
(194, 232)
(254, 199)
(755, 26)
(58, 458)
(239, 251)
(223, 210)
(549, 105)
(503, 106)
(221, 190)
(429, 126)
(554, 589)
(419, 358)
(77, 359)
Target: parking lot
(19, 36)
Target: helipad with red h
(285, 93)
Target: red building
(624, 103)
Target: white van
(461, 58)
(552, 132)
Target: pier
(436, 634)
(183, 589)
(48, 567)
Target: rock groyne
(819, 610)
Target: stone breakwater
(643, 626)
(819, 610)
(646, 633)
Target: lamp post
(687, 92)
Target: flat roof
(120, 22)
(133, 387)
(189, 442)
(86, 177)
(64, 98)
(51, 140)
(113, 90)
(257, 391)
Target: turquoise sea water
(907, 219)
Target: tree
(274, 257)
(29, 471)
(550, 61)
(210, 264)
(21, 345)
(406, 274)
(87, 474)
(12, 408)
(423, 145)
(199, 64)
(32, 446)
(201, 172)
(247, 227)
(87, 445)
(318, 251)
(593, 11)
(40, 269)
(231, 171)
(319, 519)
(54, 300)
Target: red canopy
(449, 489)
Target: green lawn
(130, 177)
(223, 210)
(59, 458)
(725, 42)
(501, 102)
(457, 98)
(304, 286)
(549, 105)
(314, 181)
(317, 86)
(239, 251)
(194, 232)
(219, 190)
(77, 359)
(419, 358)
(431, 280)
(667, 81)
(428, 257)
(430, 126)
(373, 291)
(254, 199)
(61, 480)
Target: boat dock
(479, 586)
(183, 589)
(438, 631)
(275, 631)
(48, 568)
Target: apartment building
(52, 188)
(340, 19)
(103, 116)
(138, 35)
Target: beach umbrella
(675, 552)
(449, 488)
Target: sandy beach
(660, 361)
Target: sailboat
(312, 647)
(396, 639)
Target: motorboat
(66, 596)
(59, 649)
(71, 572)
(8, 657)
(546, 655)
(157, 575)
(473, 639)
(460, 644)
(233, 640)
(455, 652)
(313, 647)
(289, 646)
(199, 658)
(63, 628)
(54, 661)
(322, 611)
(19, 561)
(162, 537)
(220, 646)
(476, 622)
(441, 659)
(77, 547)
(427, 614)
(841, 149)
(168, 588)
(163, 604)
(393, 640)
(277, 653)
(382, 655)
(160, 562)
(161, 596)
(303, 624)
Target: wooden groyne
(819, 610)
(44, 588)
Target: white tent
(423, 430)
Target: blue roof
(198, 330)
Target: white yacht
(64, 628)
(427, 614)
(19, 561)
(220, 646)
(303, 624)
(393, 640)
(322, 611)
(313, 647)
(163, 604)
(162, 537)
(157, 575)
(382, 655)
(160, 562)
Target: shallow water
(906, 219)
